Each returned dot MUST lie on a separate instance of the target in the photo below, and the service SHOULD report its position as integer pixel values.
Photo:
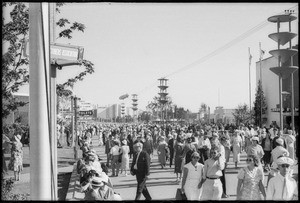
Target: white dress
(125, 157)
(192, 180)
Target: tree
(15, 64)
(242, 114)
(260, 105)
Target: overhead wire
(217, 51)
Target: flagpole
(250, 57)
(260, 56)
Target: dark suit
(143, 170)
(171, 147)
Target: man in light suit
(141, 168)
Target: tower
(134, 106)
(285, 68)
(163, 95)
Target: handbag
(180, 195)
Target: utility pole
(41, 175)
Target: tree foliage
(260, 105)
(242, 114)
(15, 65)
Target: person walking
(130, 144)
(290, 144)
(278, 151)
(16, 159)
(148, 145)
(212, 186)
(189, 149)
(192, 176)
(161, 151)
(114, 154)
(266, 144)
(108, 146)
(125, 157)
(140, 167)
(179, 157)
(171, 148)
(283, 186)
(236, 143)
(203, 146)
(250, 179)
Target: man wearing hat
(203, 146)
(283, 186)
(138, 139)
(140, 167)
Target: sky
(133, 45)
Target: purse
(180, 195)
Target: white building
(270, 86)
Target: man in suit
(141, 168)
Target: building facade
(270, 86)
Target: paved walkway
(162, 183)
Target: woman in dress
(179, 157)
(290, 144)
(16, 159)
(236, 143)
(125, 157)
(266, 144)
(161, 151)
(192, 176)
(250, 179)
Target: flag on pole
(261, 52)
(250, 57)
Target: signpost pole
(40, 162)
(53, 105)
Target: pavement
(161, 184)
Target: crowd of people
(200, 155)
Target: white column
(40, 159)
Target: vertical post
(250, 82)
(53, 105)
(40, 162)
(75, 131)
(260, 96)
(280, 102)
(292, 87)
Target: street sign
(66, 52)
(284, 110)
(61, 54)
(83, 113)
